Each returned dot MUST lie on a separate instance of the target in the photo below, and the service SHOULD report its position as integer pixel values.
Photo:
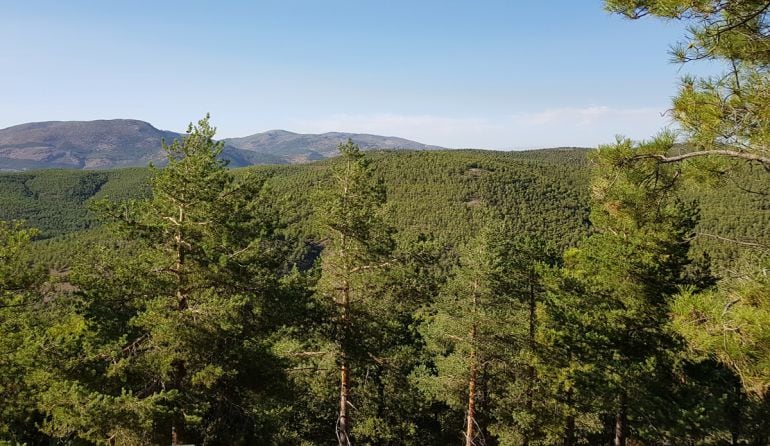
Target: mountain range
(104, 144)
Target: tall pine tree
(609, 312)
(358, 245)
(167, 340)
(726, 122)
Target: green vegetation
(55, 201)
(402, 298)
(431, 318)
(542, 193)
(726, 120)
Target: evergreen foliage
(387, 298)
(20, 299)
(166, 328)
(726, 121)
(609, 308)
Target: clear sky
(487, 74)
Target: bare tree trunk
(181, 293)
(470, 429)
(343, 424)
(621, 422)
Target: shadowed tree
(22, 312)
(609, 311)
(726, 122)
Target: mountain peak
(98, 123)
(109, 143)
(297, 146)
(279, 132)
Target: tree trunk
(181, 292)
(470, 429)
(343, 423)
(621, 422)
(470, 421)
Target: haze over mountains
(114, 143)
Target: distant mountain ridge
(299, 147)
(103, 144)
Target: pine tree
(724, 117)
(731, 322)
(726, 122)
(21, 312)
(457, 329)
(358, 244)
(526, 409)
(472, 331)
(170, 330)
(609, 311)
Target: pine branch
(765, 161)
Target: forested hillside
(542, 193)
(613, 296)
(385, 298)
(56, 201)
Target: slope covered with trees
(541, 298)
(542, 192)
(438, 310)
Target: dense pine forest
(542, 193)
(611, 296)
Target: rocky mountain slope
(126, 142)
(297, 147)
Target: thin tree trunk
(470, 431)
(343, 422)
(181, 294)
(621, 422)
(470, 428)
(343, 426)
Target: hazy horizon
(503, 76)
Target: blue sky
(489, 74)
